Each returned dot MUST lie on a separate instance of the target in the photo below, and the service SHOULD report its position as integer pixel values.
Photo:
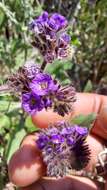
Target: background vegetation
(87, 69)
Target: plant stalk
(4, 88)
(43, 65)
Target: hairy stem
(43, 65)
(4, 88)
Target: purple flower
(43, 84)
(47, 102)
(58, 21)
(32, 103)
(38, 90)
(63, 151)
(70, 141)
(44, 17)
(64, 40)
(50, 56)
(50, 36)
(52, 95)
(37, 25)
(42, 141)
(31, 69)
(19, 82)
(81, 130)
(61, 53)
(57, 139)
(52, 25)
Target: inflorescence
(50, 36)
(64, 148)
(38, 91)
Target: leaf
(88, 86)
(2, 18)
(29, 125)
(4, 105)
(75, 41)
(8, 13)
(4, 121)
(14, 142)
(84, 120)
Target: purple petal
(62, 53)
(42, 141)
(60, 21)
(44, 17)
(43, 85)
(31, 103)
(70, 141)
(49, 149)
(81, 130)
(52, 25)
(64, 40)
(56, 139)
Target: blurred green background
(87, 70)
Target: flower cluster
(38, 90)
(51, 37)
(63, 148)
(19, 82)
(46, 93)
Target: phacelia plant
(63, 145)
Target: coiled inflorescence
(63, 148)
(38, 91)
(50, 36)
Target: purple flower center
(43, 84)
(31, 103)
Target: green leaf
(88, 86)
(14, 142)
(8, 13)
(4, 121)
(2, 17)
(29, 125)
(7, 106)
(75, 41)
(84, 120)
